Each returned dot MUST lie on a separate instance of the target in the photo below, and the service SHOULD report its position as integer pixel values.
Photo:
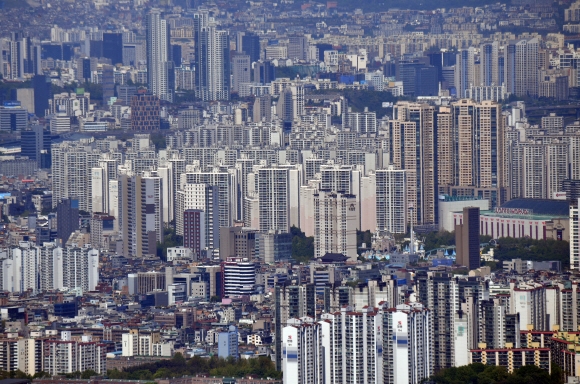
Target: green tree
(88, 373)
(302, 246)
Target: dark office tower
(67, 218)
(212, 59)
(51, 51)
(35, 142)
(68, 51)
(96, 48)
(84, 72)
(426, 81)
(113, 47)
(264, 72)
(108, 83)
(176, 54)
(194, 231)
(572, 189)
(160, 68)
(251, 45)
(321, 49)
(145, 112)
(42, 93)
(467, 239)
(407, 73)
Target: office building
(36, 145)
(228, 343)
(194, 231)
(241, 71)
(212, 59)
(145, 112)
(264, 72)
(13, 118)
(67, 218)
(297, 47)
(160, 67)
(489, 64)
(237, 241)
(251, 46)
(335, 224)
(467, 239)
(272, 247)
(113, 47)
(239, 277)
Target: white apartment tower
(391, 200)
(160, 68)
(408, 346)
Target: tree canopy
(490, 374)
(261, 367)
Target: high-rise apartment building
(390, 200)
(353, 345)
(212, 59)
(160, 67)
(302, 347)
(278, 192)
(413, 149)
(471, 156)
(489, 61)
(522, 67)
(465, 71)
(140, 213)
(407, 344)
(335, 224)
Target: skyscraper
(489, 61)
(522, 67)
(42, 92)
(160, 67)
(241, 66)
(251, 46)
(391, 200)
(212, 59)
(467, 239)
(471, 150)
(465, 71)
(413, 149)
(113, 47)
(335, 224)
(67, 218)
